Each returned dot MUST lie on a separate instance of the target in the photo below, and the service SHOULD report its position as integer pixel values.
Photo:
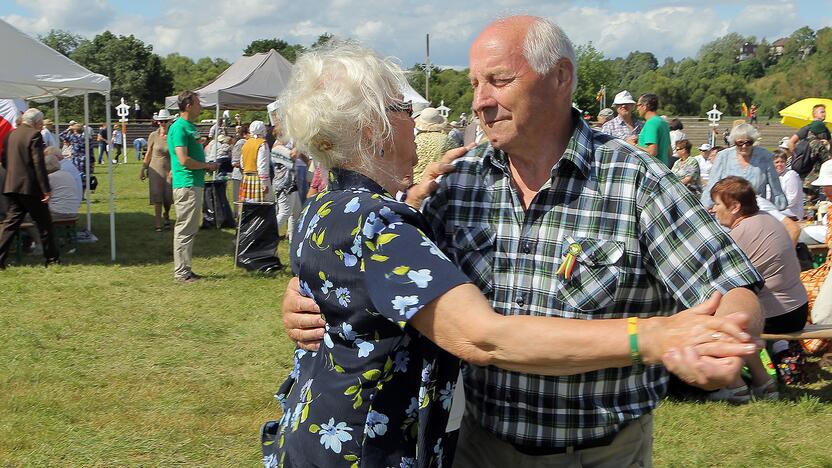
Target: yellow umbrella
(799, 114)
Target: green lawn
(114, 364)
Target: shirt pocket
(594, 279)
(474, 249)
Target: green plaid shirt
(646, 245)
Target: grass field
(106, 364)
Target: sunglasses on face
(743, 143)
(403, 106)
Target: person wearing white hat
(255, 162)
(625, 124)
(156, 167)
(704, 159)
(821, 310)
(432, 141)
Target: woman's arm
(263, 161)
(462, 322)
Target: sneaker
(187, 279)
(115, 161)
(735, 396)
(767, 391)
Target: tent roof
(33, 70)
(250, 82)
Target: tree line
(728, 72)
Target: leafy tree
(290, 52)
(63, 41)
(188, 74)
(594, 71)
(322, 39)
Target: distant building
(778, 47)
(747, 51)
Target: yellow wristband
(632, 330)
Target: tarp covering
(31, 70)
(249, 83)
(216, 211)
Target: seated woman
(65, 198)
(686, 168)
(752, 163)
(792, 186)
(783, 300)
(378, 391)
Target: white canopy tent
(34, 71)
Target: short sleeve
(404, 269)
(803, 132)
(177, 137)
(649, 134)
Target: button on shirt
(644, 240)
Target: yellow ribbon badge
(569, 260)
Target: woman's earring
(382, 153)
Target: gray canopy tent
(249, 83)
(34, 71)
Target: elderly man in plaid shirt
(545, 187)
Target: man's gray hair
(545, 45)
(743, 131)
(32, 117)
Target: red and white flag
(10, 109)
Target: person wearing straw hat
(432, 141)
(156, 167)
(625, 124)
(255, 162)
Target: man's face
(641, 108)
(513, 102)
(820, 113)
(194, 109)
(724, 214)
(625, 110)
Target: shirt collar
(345, 179)
(579, 150)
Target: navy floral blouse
(377, 393)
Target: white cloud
(221, 28)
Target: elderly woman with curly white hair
(396, 310)
(751, 162)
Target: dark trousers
(19, 205)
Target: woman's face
(724, 214)
(780, 165)
(402, 147)
(744, 146)
(682, 151)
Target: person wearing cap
(49, 138)
(704, 160)
(432, 141)
(157, 167)
(188, 182)
(605, 115)
(624, 125)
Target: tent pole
(87, 156)
(57, 125)
(107, 110)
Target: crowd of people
(567, 270)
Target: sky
(222, 29)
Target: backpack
(801, 161)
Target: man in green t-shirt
(655, 134)
(188, 168)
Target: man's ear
(564, 73)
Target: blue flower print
(403, 304)
(346, 332)
(420, 277)
(438, 449)
(376, 424)
(433, 248)
(391, 217)
(400, 361)
(302, 218)
(413, 409)
(305, 289)
(343, 295)
(350, 260)
(327, 284)
(408, 462)
(446, 396)
(299, 353)
(327, 338)
(352, 206)
(372, 226)
(364, 347)
(426, 371)
(356, 246)
(270, 461)
(332, 435)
